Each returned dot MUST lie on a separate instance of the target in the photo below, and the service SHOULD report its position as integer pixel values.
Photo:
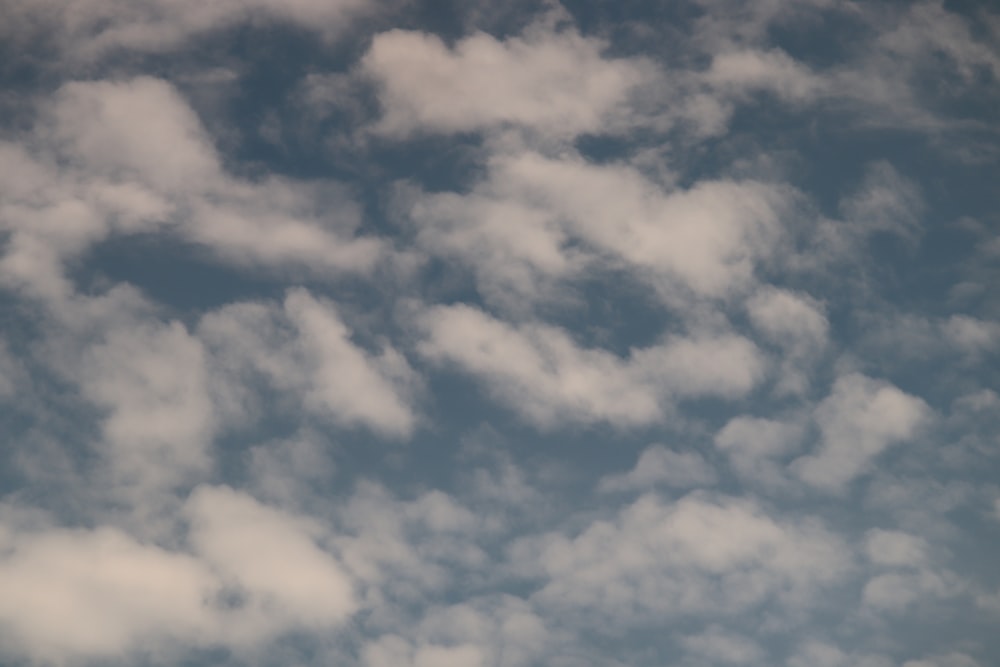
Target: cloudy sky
(470, 334)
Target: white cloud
(721, 648)
(305, 348)
(253, 572)
(659, 465)
(542, 374)
(755, 447)
(796, 323)
(278, 574)
(691, 557)
(124, 157)
(858, 420)
(705, 241)
(557, 82)
(787, 317)
(493, 630)
(90, 29)
(139, 129)
(895, 591)
(971, 334)
(152, 382)
(891, 547)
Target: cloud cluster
(496, 337)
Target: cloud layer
(390, 334)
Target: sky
(475, 334)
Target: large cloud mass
(416, 334)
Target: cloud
(755, 447)
(890, 547)
(538, 371)
(798, 325)
(96, 28)
(705, 241)
(131, 157)
(556, 82)
(276, 573)
(252, 573)
(659, 465)
(858, 420)
(698, 555)
(722, 648)
(152, 383)
(494, 630)
(772, 71)
(305, 349)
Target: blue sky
(413, 334)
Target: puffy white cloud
(541, 373)
(705, 241)
(797, 324)
(787, 317)
(858, 420)
(972, 334)
(305, 348)
(152, 382)
(134, 130)
(755, 447)
(557, 82)
(695, 556)
(773, 71)
(659, 465)
(276, 575)
(252, 573)
(130, 156)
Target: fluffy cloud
(540, 372)
(539, 216)
(305, 348)
(858, 420)
(694, 556)
(127, 157)
(153, 384)
(252, 572)
(659, 465)
(557, 82)
(756, 446)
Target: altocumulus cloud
(499, 335)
